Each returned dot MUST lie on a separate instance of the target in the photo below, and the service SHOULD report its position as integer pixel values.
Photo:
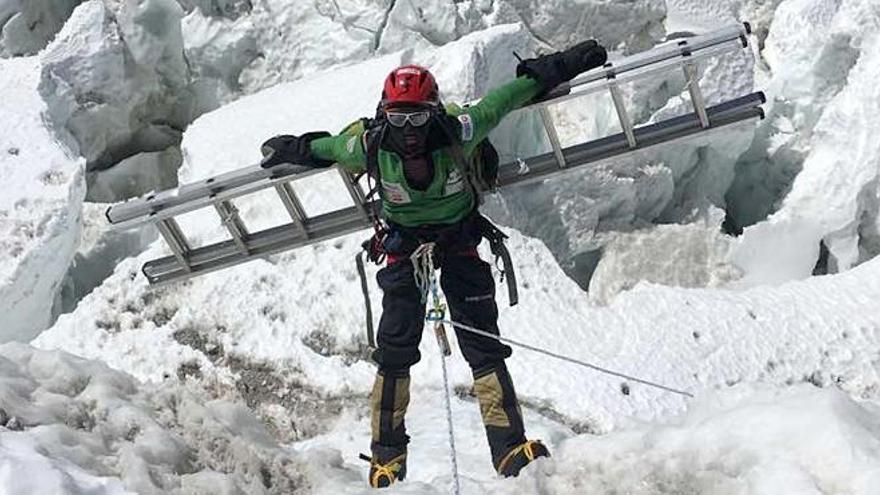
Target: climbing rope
(563, 357)
(426, 280)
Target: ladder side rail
(734, 111)
(598, 85)
(263, 243)
(251, 180)
(730, 38)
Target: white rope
(426, 280)
(423, 268)
(565, 358)
(447, 395)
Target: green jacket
(448, 199)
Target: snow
(260, 372)
(690, 255)
(85, 428)
(744, 440)
(39, 207)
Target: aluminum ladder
(187, 261)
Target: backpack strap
(469, 173)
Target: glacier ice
(116, 84)
(40, 206)
(26, 26)
(830, 102)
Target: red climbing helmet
(410, 84)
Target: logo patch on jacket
(349, 146)
(454, 183)
(395, 193)
(467, 127)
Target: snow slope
(39, 207)
(76, 426)
(745, 440)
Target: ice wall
(280, 40)
(26, 26)
(822, 148)
(115, 84)
(40, 204)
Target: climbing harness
(477, 331)
(426, 280)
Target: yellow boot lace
(527, 448)
(388, 470)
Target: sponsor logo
(467, 127)
(454, 183)
(395, 193)
(484, 297)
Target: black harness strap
(359, 261)
(496, 243)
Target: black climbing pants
(469, 288)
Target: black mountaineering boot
(502, 418)
(389, 402)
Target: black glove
(556, 68)
(295, 150)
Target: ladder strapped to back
(218, 192)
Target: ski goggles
(399, 119)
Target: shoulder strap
(461, 161)
(372, 140)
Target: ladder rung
(354, 190)
(625, 122)
(550, 126)
(175, 239)
(690, 75)
(292, 204)
(232, 221)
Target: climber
(423, 156)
